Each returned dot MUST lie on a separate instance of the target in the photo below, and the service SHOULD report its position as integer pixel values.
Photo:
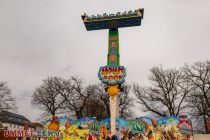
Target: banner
(112, 75)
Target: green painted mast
(113, 57)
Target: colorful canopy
(94, 128)
(84, 122)
(168, 120)
(120, 123)
(148, 120)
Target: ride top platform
(110, 21)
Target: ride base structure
(113, 75)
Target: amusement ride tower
(113, 75)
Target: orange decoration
(113, 90)
(54, 124)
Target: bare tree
(198, 75)
(126, 102)
(166, 93)
(103, 96)
(198, 109)
(124, 99)
(7, 102)
(57, 95)
(47, 96)
(94, 106)
(76, 96)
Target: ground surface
(201, 137)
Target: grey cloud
(45, 38)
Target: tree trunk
(205, 124)
(108, 110)
(79, 114)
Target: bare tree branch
(166, 94)
(47, 96)
(7, 102)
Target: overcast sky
(41, 38)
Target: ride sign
(112, 75)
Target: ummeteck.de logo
(30, 133)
